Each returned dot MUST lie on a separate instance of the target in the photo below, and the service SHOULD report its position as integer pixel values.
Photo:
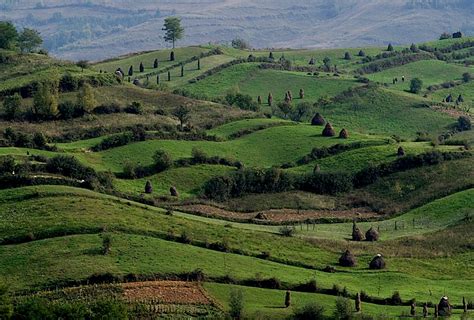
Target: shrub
(112, 107)
(286, 231)
(67, 110)
(416, 85)
(134, 108)
(162, 160)
(328, 131)
(7, 164)
(236, 303)
(464, 123)
(343, 309)
(466, 77)
(70, 167)
(34, 308)
(310, 311)
(106, 244)
(396, 299)
(109, 309)
(12, 106)
(243, 101)
(347, 56)
(326, 183)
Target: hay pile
(348, 259)
(328, 131)
(377, 263)
(318, 120)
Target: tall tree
(45, 99)
(29, 40)
(8, 35)
(182, 113)
(85, 98)
(12, 106)
(173, 30)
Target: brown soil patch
(455, 113)
(166, 292)
(277, 215)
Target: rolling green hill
(405, 169)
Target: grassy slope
(228, 129)
(356, 160)
(187, 180)
(273, 146)
(429, 71)
(148, 58)
(249, 79)
(74, 211)
(271, 302)
(377, 111)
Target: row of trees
(27, 40)
(46, 102)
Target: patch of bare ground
(166, 292)
(453, 112)
(277, 215)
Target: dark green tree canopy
(29, 40)
(173, 29)
(8, 35)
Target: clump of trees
(239, 43)
(243, 101)
(27, 40)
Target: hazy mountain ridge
(102, 28)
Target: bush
(243, 101)
(7, 165)
(68, 110)
(310, 311)
(134, 108)
(466, 77)
(286, 231)
(162, 160)
(416, 85)
(464, 123)
(343, 309)
(110, 108)
(326, 183)
(109, 309)
(396, 299)
(236, 303)
(69, 166)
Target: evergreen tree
(155, 64)
(361, 53)
(130, 71)
(390, 47)
(142, 68)
(270, 56)
(199, 64)
(85, 98)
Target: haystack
(444, 307)
(174, 192)
(372, 235)
(377, 263)
(347, 259)
(328, 131)
(357, 235)
(261, 216)
(318, 120)
(344, 134)
(400, 152)
(148, 187)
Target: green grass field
(431, 72)
(249, 79)
(52, 234)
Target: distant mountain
(98, 29)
